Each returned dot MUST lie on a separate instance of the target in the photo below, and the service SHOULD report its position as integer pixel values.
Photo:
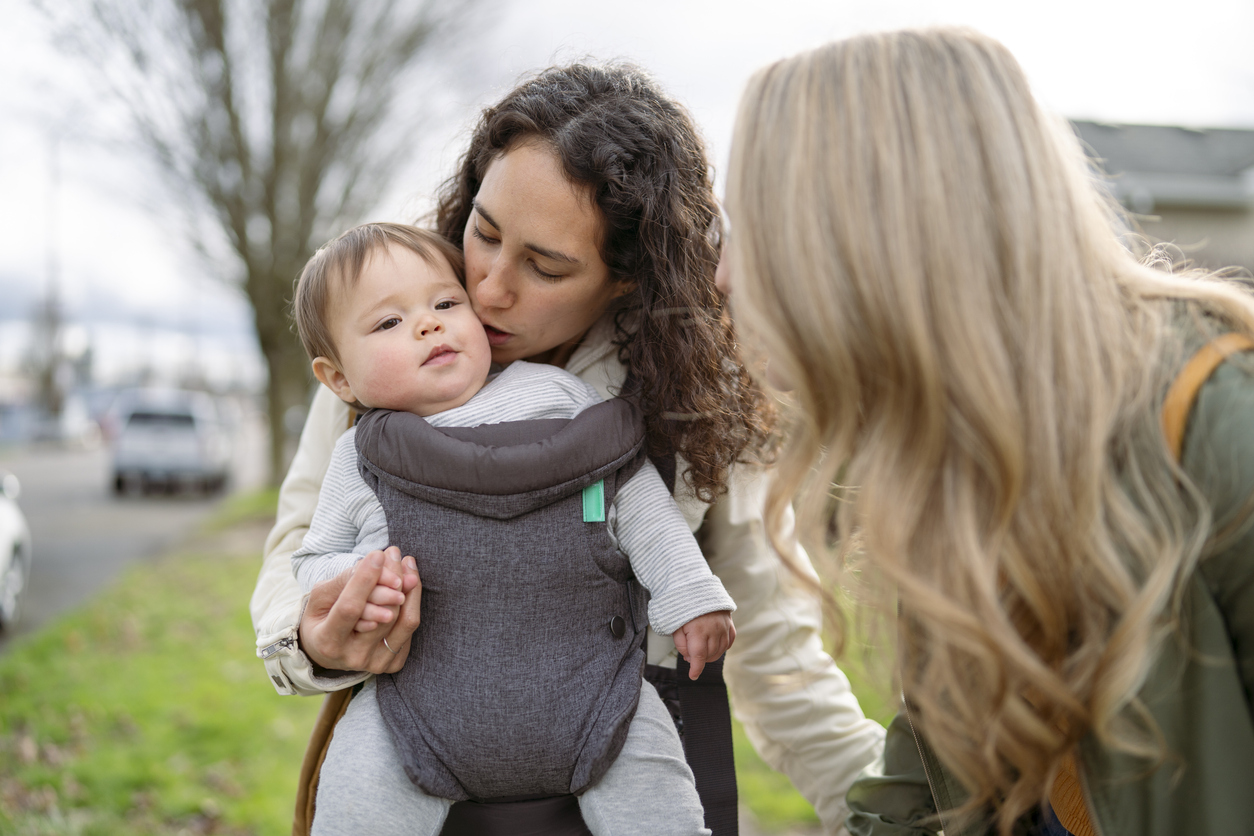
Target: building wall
(1211, 238)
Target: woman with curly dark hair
(586, 214)
(615, 136)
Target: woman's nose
(493, 290)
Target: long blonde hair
(925, 255)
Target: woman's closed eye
(551, 277)
(478, 233)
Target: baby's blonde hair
(338, 264)
(926, 255)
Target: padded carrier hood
(525, 672)
(500, 470)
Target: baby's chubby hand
(389, 593)
(705, 639)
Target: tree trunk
(289, 386)
(290, 377)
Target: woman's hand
(349, 617)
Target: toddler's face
(407, 337)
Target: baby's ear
(331, 377)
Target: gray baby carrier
(525, 672)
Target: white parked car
(15, 554)
(169, 439)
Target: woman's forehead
(525, 192)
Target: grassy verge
(241, 508)
(146, 712)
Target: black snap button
(618, 626)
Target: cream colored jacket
(795, 704)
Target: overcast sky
(1151, 62)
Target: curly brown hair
(640, 155)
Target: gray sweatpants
(648, 791)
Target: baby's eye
(446, 304)
(389, 323)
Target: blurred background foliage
(274, 125)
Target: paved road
(83, 535)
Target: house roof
(1164, 165)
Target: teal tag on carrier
(594, 502)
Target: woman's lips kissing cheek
(496, 336)
(441, 355)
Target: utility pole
(48, 319)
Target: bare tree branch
(274, 122)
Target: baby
(532, 512)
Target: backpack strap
(1067, 797)
(1184, 389)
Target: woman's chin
(504, 356)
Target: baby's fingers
(373, 615)
(379, 615)
(681, 642)
(722, 640)
(385, 596)
(697, 653)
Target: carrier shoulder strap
(665, 460)
(703, 719)
(707, 737)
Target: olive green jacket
(1200, 690)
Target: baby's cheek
(391, 377)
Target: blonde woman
(925, 260)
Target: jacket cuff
(291, 671)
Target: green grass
(146, 712)
(768, 794)
(241, 508)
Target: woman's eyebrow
(544, 251)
